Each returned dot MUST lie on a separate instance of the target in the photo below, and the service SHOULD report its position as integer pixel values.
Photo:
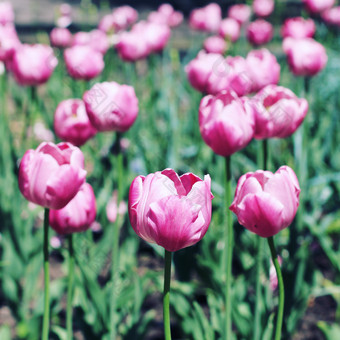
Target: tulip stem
(70, 288)
(229, 253)
(166, 295)
(46, 318)
(281, 288)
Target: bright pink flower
(112, 209)
(206, 19)
(332, 16)
(60, 37)
(278, 112)
(230, 29)
(96, 39)
(241, 13)
(120, 19)
(263, 8)
(215, 44)
(9, 42)
(306, 57)
(77, 215)
(318, 6)
(226, 124)
(6, 13)
(298, 28)
(111, 107)
(166, 15)
(260, 32)
(265, 203)
(83, 62)
(171, 211)
(262, 68)
(52, 174)
(33, 64)
(71, 123)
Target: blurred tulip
(83, 62)
(215, 44)
(306, 57)
(71, 123)
(166, 15)
(64, 15)
(6, 13)
(206, 19)
(52, 174)
(332, 16)
(265, 203)
(262, 68)
(318, 6)
(278, 112)
(77, 215)
(241, 13)
(96, 39)
(9, 42)
(298, 28)
(111, 107)
(112, 209)
(41, 133)
(60, 37)
(226, 124)
(33, 64)
(263, 8)
(260, 32)
(230, 29)
(171, 211)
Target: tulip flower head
(215, 44)
(206, 19)
(298, 28)
(60, 37)
(170, 210)
(260, 32)
(263, 8)
(6, 13)
(230, 29)
(318, 6)
(265, 203)
(240, 12)
(332, 16)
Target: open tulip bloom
(172, 211)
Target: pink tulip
(33, 64)
(171, 211)
(230, 29)
(124, 16)
(166, 15)
(96, 39)
(206, 19)
(226, 124)
(111, 107)
(278, 112)
(60, 37)
(262, 68)
(306, 57)
(260, 32)
(318, 6)
(112, 209)
(9, 42)
(263, 8)
(332, 16)
(298, 28)
(265, 203)
(241, 13)
(52, 174)
(77, 215)
(83, 62)
(64, 17)
(215, 44)
(6, 13)
(71, 123)
(41, 133)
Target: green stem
(166, 295)
(281, 288)
(229, 242)
(46, 318)
(70, 289)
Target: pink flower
(64, 15)
(60, 37)
(166, 15)
(260, 32)
(112, 209)
(241, 13)
(52, 174)
(111, 107)
(83, 62)
(332, 16)
(265, 203)
(226, 124)
(230, 29)
(124, 16)
(96, 39)
(6, 13)
(77, 215)
(263, 69)
(318, 6)
(71, 122)
(263, 8)
(171, 211)
(206, 19)
(215, 44)
(9, 42)
(33, 64)
(278, 112)
(298, 28)
(306, 57)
